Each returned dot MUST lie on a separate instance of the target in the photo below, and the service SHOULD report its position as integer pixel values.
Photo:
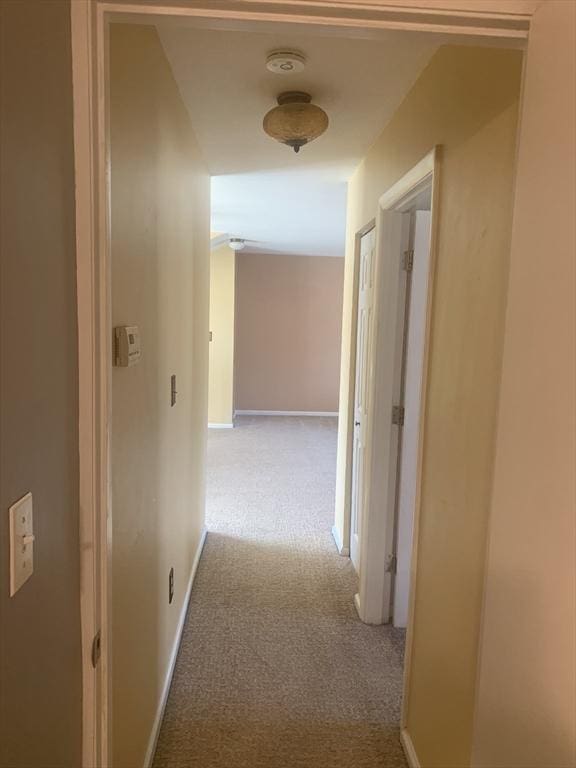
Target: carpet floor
(275, 669)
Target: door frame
(380, 479)
(94, 374)
(89, 22)
(409, 317)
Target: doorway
(104, 485)
(364, 320)
(415, 261)
(385, 501)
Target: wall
(221, 376)
(160, 281)
(288, 326)
(526, 714)
(465, 100)
(40, 638)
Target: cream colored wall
(526, 715)
(40, 643)
(160, 281)
(288, 330)
(221, 375)
(466, 101)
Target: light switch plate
(21, 543)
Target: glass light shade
(236, 243)
(295, 121)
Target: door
(417, 294)
(363, 335)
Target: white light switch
(21, 543)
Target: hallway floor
(275, 669)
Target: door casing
(89, 24)
(380, 479)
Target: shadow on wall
(40, 642)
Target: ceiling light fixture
(295, 121)
(236, 243)
(285, 62)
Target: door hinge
(391, 565)
(408, 260)
(96, 649)
(398, 415)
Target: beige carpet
(275, 669)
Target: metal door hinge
(398, 415)
(391, 565)
(96, 649)
(408, 260)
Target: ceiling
(279, 201)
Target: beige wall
(288, 325)
(40, 655)
(465, 100)
(160, 270)
(221, 374)
(526, 716)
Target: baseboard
(220, 426)
(409, 750)
(342, 550)
(286, 413)
(168, 681)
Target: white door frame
(411, 399)
(94, 350)
(89, 20)
(380, 480)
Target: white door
(414, 361)
(363, 334)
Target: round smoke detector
(285, 62)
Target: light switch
(21, 543)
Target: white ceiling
(262, 191)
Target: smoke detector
(285, 62)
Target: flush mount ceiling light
(284, 62)
(295, 121)
(236, 243)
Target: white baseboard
(167, 682)
(286, 413)
(342, 550)
(220, 426)
(409, 750)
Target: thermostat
(127, 345)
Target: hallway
(275, 670)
